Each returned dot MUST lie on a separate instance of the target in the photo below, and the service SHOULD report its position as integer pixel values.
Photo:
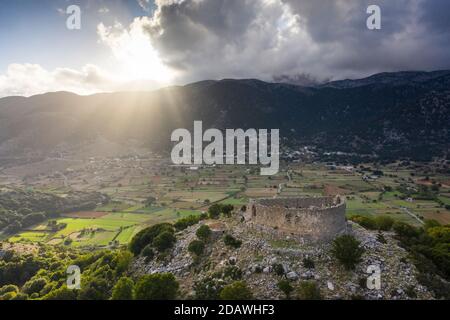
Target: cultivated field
(149, 191)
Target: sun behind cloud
(133, 52)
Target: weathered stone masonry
(305, 219)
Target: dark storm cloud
(290, 38)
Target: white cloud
(103, 10)
(31, 79)
(291, 40)
(267, 38)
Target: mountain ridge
(402, 114)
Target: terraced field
(178, 192)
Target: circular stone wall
(305, 219)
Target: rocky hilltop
(262, 261)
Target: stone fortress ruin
(313, 219)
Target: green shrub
(164, 241)
(285, 287)
(405, 230)
(8, 288)
(148, 252)
(430, 223)
(384, 223)
(236, 291)
(20, 296)
(440, 234)
(158, 286)
(230, 241)
(183, 223)
(123, 289)
(278, 269)
(365, 222)
(346, 249)
(308, 263)
(34, 285)
(8, 296)
(147, 236)
(196, 247)
(208, 288)
(308, 290)
(216, 209)
(232, 272)
(203, 232)
(62, 293)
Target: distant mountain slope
(390, 78)
(404, 114)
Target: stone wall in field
(306, 219)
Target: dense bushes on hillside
(160, 286)
(42, 275)
(430, 251)
(215, 210)
(429, 248)
(149, 236)
(183, 223)
(382, 223)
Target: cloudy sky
(145, 44)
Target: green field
(120, 226)
(179, 193)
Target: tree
(405, 230)
(430, 223)
(147, 235)
(8, 288)
(94, 288)
(34, 285)
(123, 260)
(62, 293)
(384, 223)
(33, 218)
(214, 211)
(227, 209)
(278, 269)
(365, 222)
(183, 223)
(285, 286)
(203, 232)
(148, 252)
(346, 249)
(308, 263)
(230, 241)
(308, 290)
(123, 290)
(196, 247)
(164, 241)
(158, 286)
(208, 288)
(236, 291)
